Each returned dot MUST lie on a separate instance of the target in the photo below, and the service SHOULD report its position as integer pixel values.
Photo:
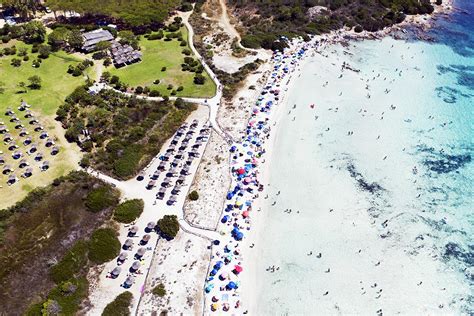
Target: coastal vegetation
(128, 211)
(159, 290)
(168, 226)
(120, 306)
(194, 195)
(123, 133)
(45, 245)
(266, 21)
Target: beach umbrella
(225, 219)
(128, 243)
(231, 285)
(151, 225)
(129, 282)
(245, 214)
(213, 272)
(214, 307)
(228, 248)
(209, 288)
(140, 252)
(218, 265)
(145, 239)
(135, 266)
(222, 277)
(123, 256)
(216, 242)
(116, 272)
(239, 236)
(237, 269)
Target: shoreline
(250, 280)
(248, 292)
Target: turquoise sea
(375, 210)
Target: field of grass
(56, 85)
(158, 54)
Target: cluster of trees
(290, 18)
(123, 133)
(138, 12)
(31, 32)
(78, 70)
(62, 36)
(24, 8)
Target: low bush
(101, 198)
(103, 245)
(128, 211)
(159, 290)
(120, 306)
(73, 261)
(194, 196)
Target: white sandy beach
(329, 216)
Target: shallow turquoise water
(385, 168)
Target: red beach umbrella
(245, 214)
(238, 269)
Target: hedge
(128, 211)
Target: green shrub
(163, 68)
(73, 261)
(193, 196)
(128, 211)
(159, 290)
(101, 198)
(169, 225)
(103, 245)
(69, 295)
(128, 164)
(120, 306)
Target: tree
(169, 226)
(199, 79)
(35, 32)
(193, 196)
(16, 62)
(103, 46)
(35, 82)
(58, 37)
(127, 37)
(44, 51)
(22, 86)
(75, 39)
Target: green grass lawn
(158, 54)
(56, 85)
